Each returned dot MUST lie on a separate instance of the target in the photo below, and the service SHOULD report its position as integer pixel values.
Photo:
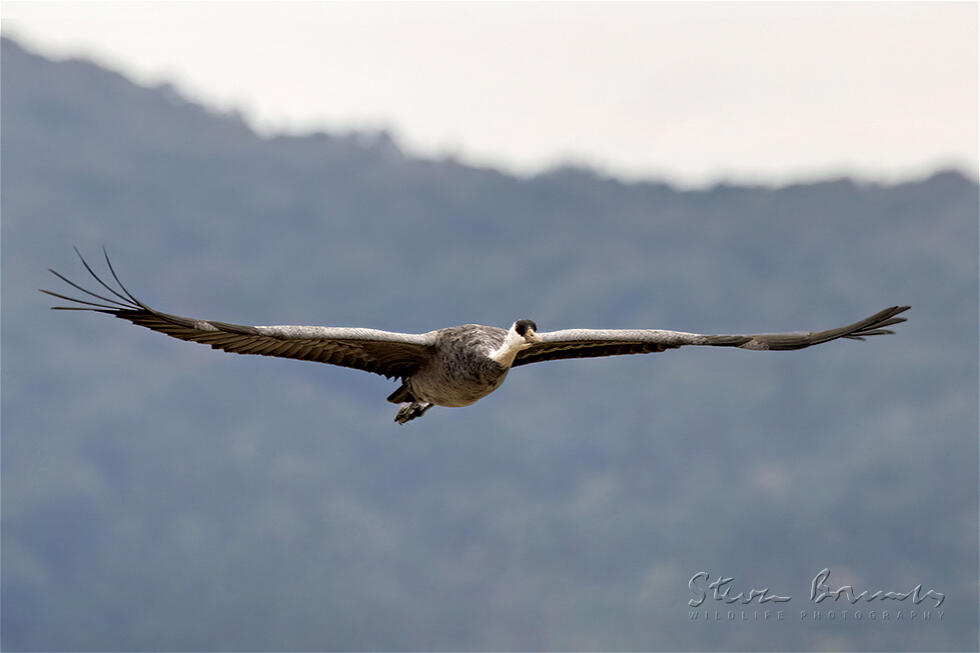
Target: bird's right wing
(382, 352)
(587, 343)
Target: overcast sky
(694, 93)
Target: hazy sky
(690, 92)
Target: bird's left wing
(587, 343)
(381, 352)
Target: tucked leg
(409, 411)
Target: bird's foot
(409, 411)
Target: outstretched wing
(382, 352)
(587, 343)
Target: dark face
(523, 325)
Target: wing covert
(591, 343)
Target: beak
(532, 336)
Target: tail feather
(401, 395)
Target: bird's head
(520, 336)
(527, 330)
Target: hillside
(158, 495)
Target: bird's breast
(457, 380)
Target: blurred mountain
(161, 496)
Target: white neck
(513, 343)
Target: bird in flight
(455, 366)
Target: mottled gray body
(460, 371)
